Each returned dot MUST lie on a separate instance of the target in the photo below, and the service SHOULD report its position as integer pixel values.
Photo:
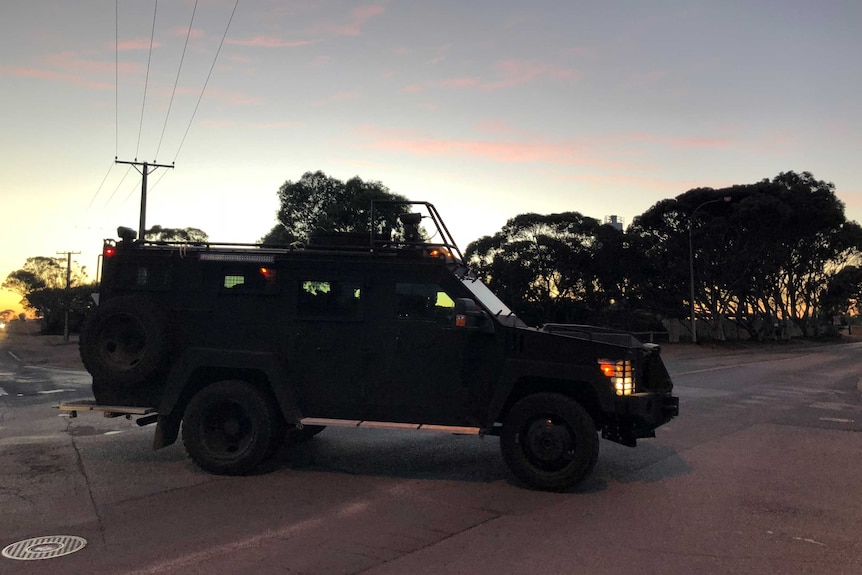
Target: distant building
(615, 221)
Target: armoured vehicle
(243, 347)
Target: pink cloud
(218, 123)
(240, 59)
(71, 68)
(461, 83)
(71, 61)
(679, 142)
(359, 17)
(136, 44)
(184, 30)
(509, 74)
(267, 42)
(52, 75)
(505, 151)
(231, 98)
(494, 127)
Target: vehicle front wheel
(549, 442)
(230, 427)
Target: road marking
(836, 419)
(3, 392)
(832, 406)
(48, 391)
(807, 540)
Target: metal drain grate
(44, 547)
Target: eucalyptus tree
(552, 268)
(766, 254)
(320, 202)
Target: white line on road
(47, 391)
(836, 419)
(3, 392)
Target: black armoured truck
(244, 347)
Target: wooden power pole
(68, 287)
(144, 168)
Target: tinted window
(250, 279)
(425, 302)
(329, 299)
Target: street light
(691, 261)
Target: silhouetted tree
(553, 268)
(767, 254)
(160, 234)
(320, 202)
(43, 272)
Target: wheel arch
(199, 367)
(580, 391)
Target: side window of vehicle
(152, 276)
(423, 302)
(257, 279)
(329, 299)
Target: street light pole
(691, 263)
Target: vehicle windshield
(491, 302)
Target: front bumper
(637, 416)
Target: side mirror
(468, 314)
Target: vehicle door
(331, 360)
(437, 371)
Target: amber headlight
(620, 373)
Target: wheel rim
(227, 430)
(548, 443)
(122, 344)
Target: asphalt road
(759, 474)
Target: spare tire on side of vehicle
(123, 343)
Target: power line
(179, 69)
(207, 81)
(99, 189)
(111, 197)
(147, 77)
(116, 78)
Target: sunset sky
(487, 109)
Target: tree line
(751, 254)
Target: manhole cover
(44, 547)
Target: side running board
(390, 425)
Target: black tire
(123, 342)
(230, 427)
(549, 442)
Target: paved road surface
(759, 474)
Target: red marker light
(109, 251)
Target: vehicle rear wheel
(549, 442)
(230, 427)
(123, 341)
